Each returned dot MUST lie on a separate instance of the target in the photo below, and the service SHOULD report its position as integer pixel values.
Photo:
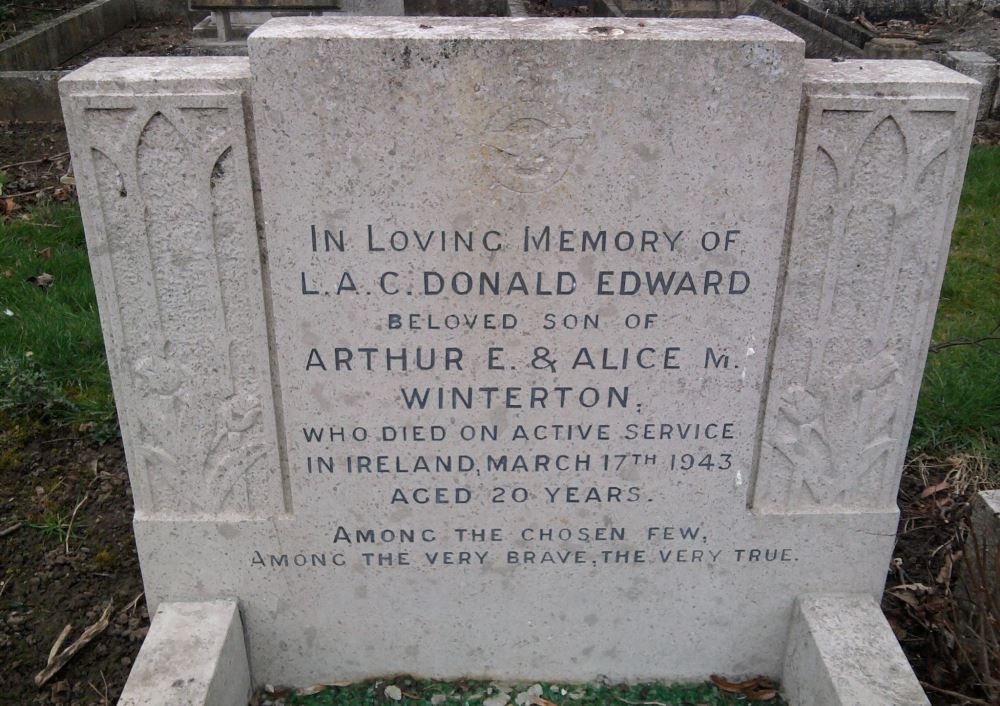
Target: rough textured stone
(980, 66)
(842, 652)
(669, 557)
(194, 655)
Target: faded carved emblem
(529, 147)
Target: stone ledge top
(148, 71)
(740, 29)
(883, 71)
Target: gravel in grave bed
(408, 691)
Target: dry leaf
(932, 489)
(944, 575)
(737, 687)
(310, 690)
(60, 194)
(906, 596)
(542, 701)
(43, 280)
(44, 253)
(762, 695)
(8, 206)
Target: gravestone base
(842, 652)
(193, 655)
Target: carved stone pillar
(881, 158)
(161, 157)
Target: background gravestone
(520, 348)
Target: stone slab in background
(30, 96)
(193, 655)
(982, 67)
(842, 652)
(980, 567)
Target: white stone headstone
(521, 348)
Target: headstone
(982, 67)
(524, 348)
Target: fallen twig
(934, 348)
(956, 694)
(131, 606)
(640, 703)
(10, 530)
(57, 645)
(53, 158)
(866, 23)
(69, 528)
(60, 660)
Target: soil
(34, 157)
(60, 568)
(166, 38)
(543, 8)
(18, 17)
(977, 31)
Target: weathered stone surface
(194, 655)
(842, 652)
(983, 68)
(606, 475)
(159, 149)
(884, 151)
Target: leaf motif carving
(211, 465)
(819, 437)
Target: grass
(959, 405)
(52, 363)
(413, 692)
